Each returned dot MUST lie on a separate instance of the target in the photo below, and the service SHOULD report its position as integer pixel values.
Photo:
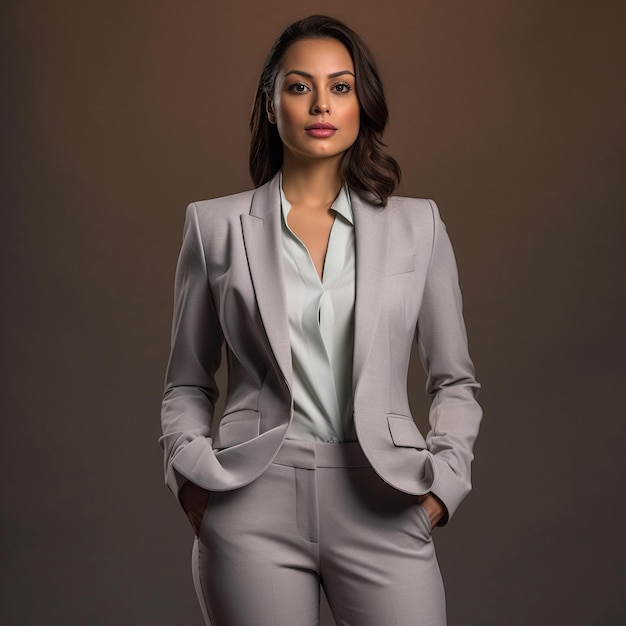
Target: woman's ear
(269, 109)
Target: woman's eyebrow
(307, 75)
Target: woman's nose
(320, 105)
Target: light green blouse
(321, 328)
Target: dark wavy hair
(365, 165)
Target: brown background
(117, 114)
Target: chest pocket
(400, 265)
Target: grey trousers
(319, 515)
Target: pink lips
(321, 130)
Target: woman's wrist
(434, 507)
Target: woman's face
(315, 104)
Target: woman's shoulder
(398, 207)
(412, 205)
(408, 210)
(225, 206)
(410, 220)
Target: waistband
(313, 454)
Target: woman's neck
(313, 183)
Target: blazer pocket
(400, 265)
(237, 427)
(404, 432)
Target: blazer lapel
(370, 233)
(262, 239)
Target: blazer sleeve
(442, 340)
(190, 388)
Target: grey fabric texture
(230, 288)
(318, 514)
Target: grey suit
(230, 286)
(314, 512)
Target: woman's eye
(342, 88)
(298, 87)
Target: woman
(317, 282)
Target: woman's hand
(193, 500)
(434, 507)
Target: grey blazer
(230, 289)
